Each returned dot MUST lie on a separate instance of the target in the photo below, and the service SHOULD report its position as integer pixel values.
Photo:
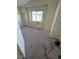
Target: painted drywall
(22, 14)
(20, 39)
(37, 24)
(19, 20)
(52, 4)
(55, 17)
(57, 26)
(51, 8)
(18, 55)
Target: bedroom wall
(19, 19)
(20, 39)
(52, 4)
(37, 24)
(57, 26)
(19, 56)
(22, 14)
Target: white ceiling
(22, 2)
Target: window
(37, 16)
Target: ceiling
(22, 2)
(29, 3)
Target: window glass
(37, 16)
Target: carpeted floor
(34, 39)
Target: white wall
(20, 39)
(52, 4)
(57, 27)
(19, 56)
(19, 53)
(55, 30)
(22, 14)
(19, 20)
(37, 24)
(51, 8)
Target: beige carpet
(34, 39)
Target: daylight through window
(37, 16)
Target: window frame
(36, 20)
